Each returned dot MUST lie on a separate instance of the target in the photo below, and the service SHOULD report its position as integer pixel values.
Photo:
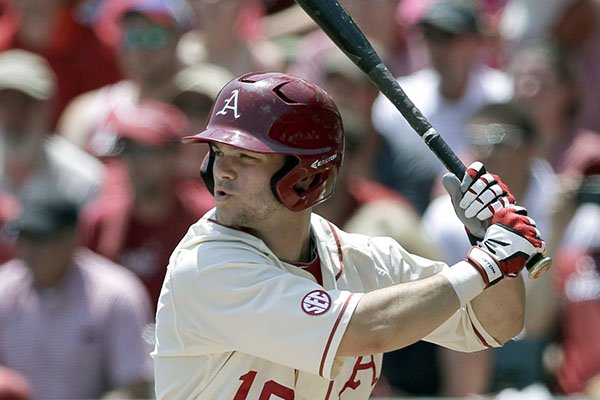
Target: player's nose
(223, 168)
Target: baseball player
(265, 300)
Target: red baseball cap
(151, 123)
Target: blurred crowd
(96, 189)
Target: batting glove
(477, 198)
(510, 241)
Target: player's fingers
(474, 171)
(491, 209)
(477, 188)
(505, 189)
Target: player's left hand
(477, 198)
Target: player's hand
(477, 198)
(510, 241)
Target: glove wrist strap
(485, 263)
(465, 280)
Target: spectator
(51, 29)
(149, 33)
(137, 221)
(380, 22)
(577, 275)
(71, 322)
(574, 25)
(447, 94)
(195, 89)
(546, 84)
(31, 158)
(503, 137)
(228, 33)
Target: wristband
(466, 281)
(486, 264)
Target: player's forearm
(394, 317)
(501, 309)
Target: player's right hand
(509, 242)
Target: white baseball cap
(28, 73)
(530, 19)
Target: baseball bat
(335, 21)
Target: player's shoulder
(208, 244)
(328, 233)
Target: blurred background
(96, 190)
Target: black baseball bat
(341, 28)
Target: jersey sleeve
(251, 305)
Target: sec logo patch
(316, 302)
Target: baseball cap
(150, 123)
(45, 214)
(28, 73)
(162, 12)
(203, 78)
(452, 16)
(523, 20)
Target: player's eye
(216, 151)
(248, 156)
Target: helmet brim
(235, 138)
(246, 141)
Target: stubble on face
(257, 207)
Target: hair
(509, 113)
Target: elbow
(513, 326)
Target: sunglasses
(437, 35)
(154, 38)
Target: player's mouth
(221, 195)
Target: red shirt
(110, 228)
(80, 61)
(577, 276)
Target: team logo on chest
(231, 104)
(316, 302)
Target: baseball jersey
(234, 322)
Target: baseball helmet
(276, 113)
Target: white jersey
(234, 322)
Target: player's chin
(226, 217)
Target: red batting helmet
(280, 114)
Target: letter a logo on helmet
(231, 104)
(277, 113)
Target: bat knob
(538, 265)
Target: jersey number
(270, 388)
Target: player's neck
(289, 239)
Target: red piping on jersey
(339, 248)
(329, 390)
(480, 336)
(335, 326)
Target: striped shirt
(79, 339)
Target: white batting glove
(508, 244)
(477, 198)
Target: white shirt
(413, 166)
(235, 322)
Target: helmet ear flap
(284, 185)
(206, 171)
